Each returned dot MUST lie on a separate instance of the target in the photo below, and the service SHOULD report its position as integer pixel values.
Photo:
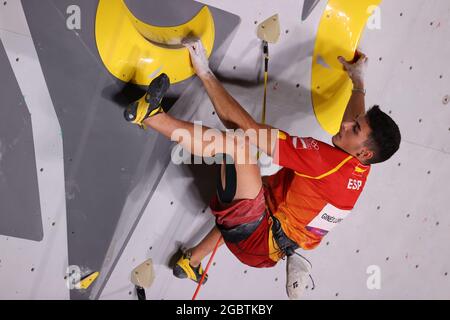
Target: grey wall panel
(20, 211)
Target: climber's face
(352, 138)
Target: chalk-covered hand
(356, 70)
(198, 55)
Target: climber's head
(372, 138)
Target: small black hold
(378, 208)
(390, 111)
(437, 223)
(256, 22)
(387, 258)
(328, 243)
(408, 215)
(234, 67)
(245, 271)
(417, 266)
(401, 14)
(130, 293)
(53, 224)
(428, 172)
(17, 59)
(337, 294)
(431, 23)
(171, 202)
(357, 251)
(445, 274)
(276, 279)
(150, 248)
(420, 120)
(410, 68)
(298, 85)
(399, 164)
(441, 76)
(214, 264)
(42, 169)
(32, 269)
(287, 31)
(4, 3)
(381, 58)
(213, 112)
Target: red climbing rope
(206, 269)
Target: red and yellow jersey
(316, 188)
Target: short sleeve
(305, 154)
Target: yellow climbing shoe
(183, 269)
(150, 104)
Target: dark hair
(385, 138)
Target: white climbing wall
(399, 229)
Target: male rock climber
(262, 220)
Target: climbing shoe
(183, 269)
(150, 104)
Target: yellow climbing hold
(135, 51)
(340, 30)
(86, 282)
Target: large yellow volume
(340, 30)
(136, 52)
